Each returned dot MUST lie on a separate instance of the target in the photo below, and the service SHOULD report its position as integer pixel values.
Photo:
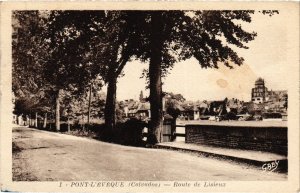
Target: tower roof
(259, 81)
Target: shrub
(131, 132)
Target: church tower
(259, 92)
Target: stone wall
(270, 139)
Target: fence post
(173, 129)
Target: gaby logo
(272, 166)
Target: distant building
(234, 105)
(136, 109)
(143, 110)
(259, 92)
(267, 102)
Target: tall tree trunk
(89, 107)
(82, 122)
(57, 111)
(31, 121)
(69, 127)
(36, 120)
(110, 107)
(156, 124)
(45, 121)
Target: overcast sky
(265, 58)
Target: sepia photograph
(173, 99)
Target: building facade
(268, 101)
(259, 92)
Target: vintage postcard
(149, 96)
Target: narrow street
(46, 156)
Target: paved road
(46, 156)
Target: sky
(266, 58)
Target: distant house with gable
(137, 109)
(143, 110)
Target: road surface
(46, 156)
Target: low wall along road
(259, 136)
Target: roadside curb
(282, 167)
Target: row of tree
(59, 52)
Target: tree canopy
(70, 49)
